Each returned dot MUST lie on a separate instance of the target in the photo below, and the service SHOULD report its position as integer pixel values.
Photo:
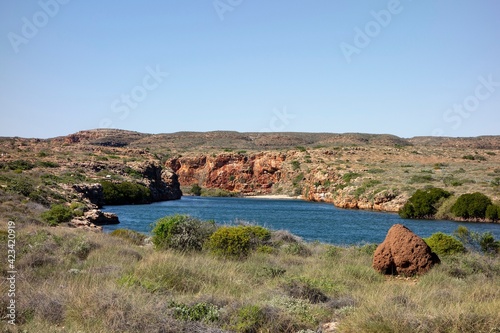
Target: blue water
(309, 220)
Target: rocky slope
(350, 170)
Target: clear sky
(408, 68)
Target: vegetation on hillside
(125, 193)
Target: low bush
(17, 165)
(48, 164)
(350, 176)
(237, 241)
(57, 214)
(297, 249)
(196, 190)
(125, 193)
(423, 203)
(248, 319)
(182, 232)
(417, 179)
(205, 312)
(493, 212)
(304, 290)
(217, 192)
(131, 236)
(471, 205)
(477, 242)
(443, 244)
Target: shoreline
(272, 197)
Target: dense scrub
(423, 203)
(125, 193)
(438, 203)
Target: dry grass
(72, 281)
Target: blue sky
(408, 68)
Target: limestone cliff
(162, 182)
(282, 173)
(253, 174)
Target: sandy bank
(272, 196)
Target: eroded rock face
(163, 183)
(403, 253)
(91, 192)
(254, 174)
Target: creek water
(310, 220)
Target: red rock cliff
(253, 174)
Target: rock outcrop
(254, 174)
(90, 192)
(163, 183)
(403, 253)
(93, 220)
(277, 173)
(99, 217)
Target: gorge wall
(290, 173)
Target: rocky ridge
(353, 170)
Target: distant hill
(260, 141)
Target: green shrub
(196, 190)
(133, 173)
(248, 319)
(493, 212)
(17, 165)
(443, 244)
(48, 164)
(205, 312)
(57, 214)
(297, 249)
(298, 179)
(295, 165)
(131, 236)
(237, 241)
(495, 182)
(22, 185)
(217, 192)
(423, 203)
(125, 193)
(475, 241)
(489, 244)
(350, 176)
(182, 232)
(417, 179)
(471, 205)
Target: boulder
(98, 217)
(403, 252)
(82, 223)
